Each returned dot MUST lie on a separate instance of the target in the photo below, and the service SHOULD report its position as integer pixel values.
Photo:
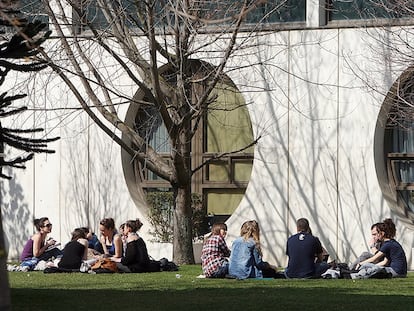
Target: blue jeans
(221, 273)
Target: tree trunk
(183, 242)
(5, 304)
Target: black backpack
(167, 265)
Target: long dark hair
(78, 233)
(135, 225)
(39, 222)
(108, 223)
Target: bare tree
(156, 45)
(17, 47)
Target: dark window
(224, 12)
(34, 10)
(363, 9)
(399, 146)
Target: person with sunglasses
(37, 248)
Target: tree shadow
(252, 298)
(15, 214)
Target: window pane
(218, 171)
(94, 14)
(408, 198)
(34, 10)
(223, 203)
(228, 122)
(149, 125)
(362, 9)
(276, 11)
(242, 170)
(271, 11)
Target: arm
(319, 251)
(223, 247)
(38, 249)
(383, 263)
(319, 257)
(118, 246)
(374, 258)
(103, 243)
(85, 243)
(259, 263)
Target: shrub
(160, 215)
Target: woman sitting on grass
(37, 248)
(246, 254)
(136, 257)
(111, 242)
(391, 253)
(75, 252)
(215, 252)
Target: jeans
(221, 273)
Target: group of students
(123, 246)
(306, 256)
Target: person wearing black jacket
(135, 259)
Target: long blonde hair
(250, 229)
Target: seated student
(111, 242)
(391, 253)
(37, 248)
(246, 254)
(375, 245)
(75, 251)
(93, 243)
(214, 254)
(136, 257)
(92, 238)
(305, 253)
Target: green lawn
(164, 291)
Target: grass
(164, 291)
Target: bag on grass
(104, 265)
(154, 266)
(167, 265)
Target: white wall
(315, 159)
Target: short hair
(388, 227)
(375, 225)
(303, 225)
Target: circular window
(394, 145)
(221, 150)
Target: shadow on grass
(263, 298)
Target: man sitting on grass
(305, 253)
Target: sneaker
(12, 267)
(84, 267)
(23, 269)
(41, 265)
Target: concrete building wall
(317, 118)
